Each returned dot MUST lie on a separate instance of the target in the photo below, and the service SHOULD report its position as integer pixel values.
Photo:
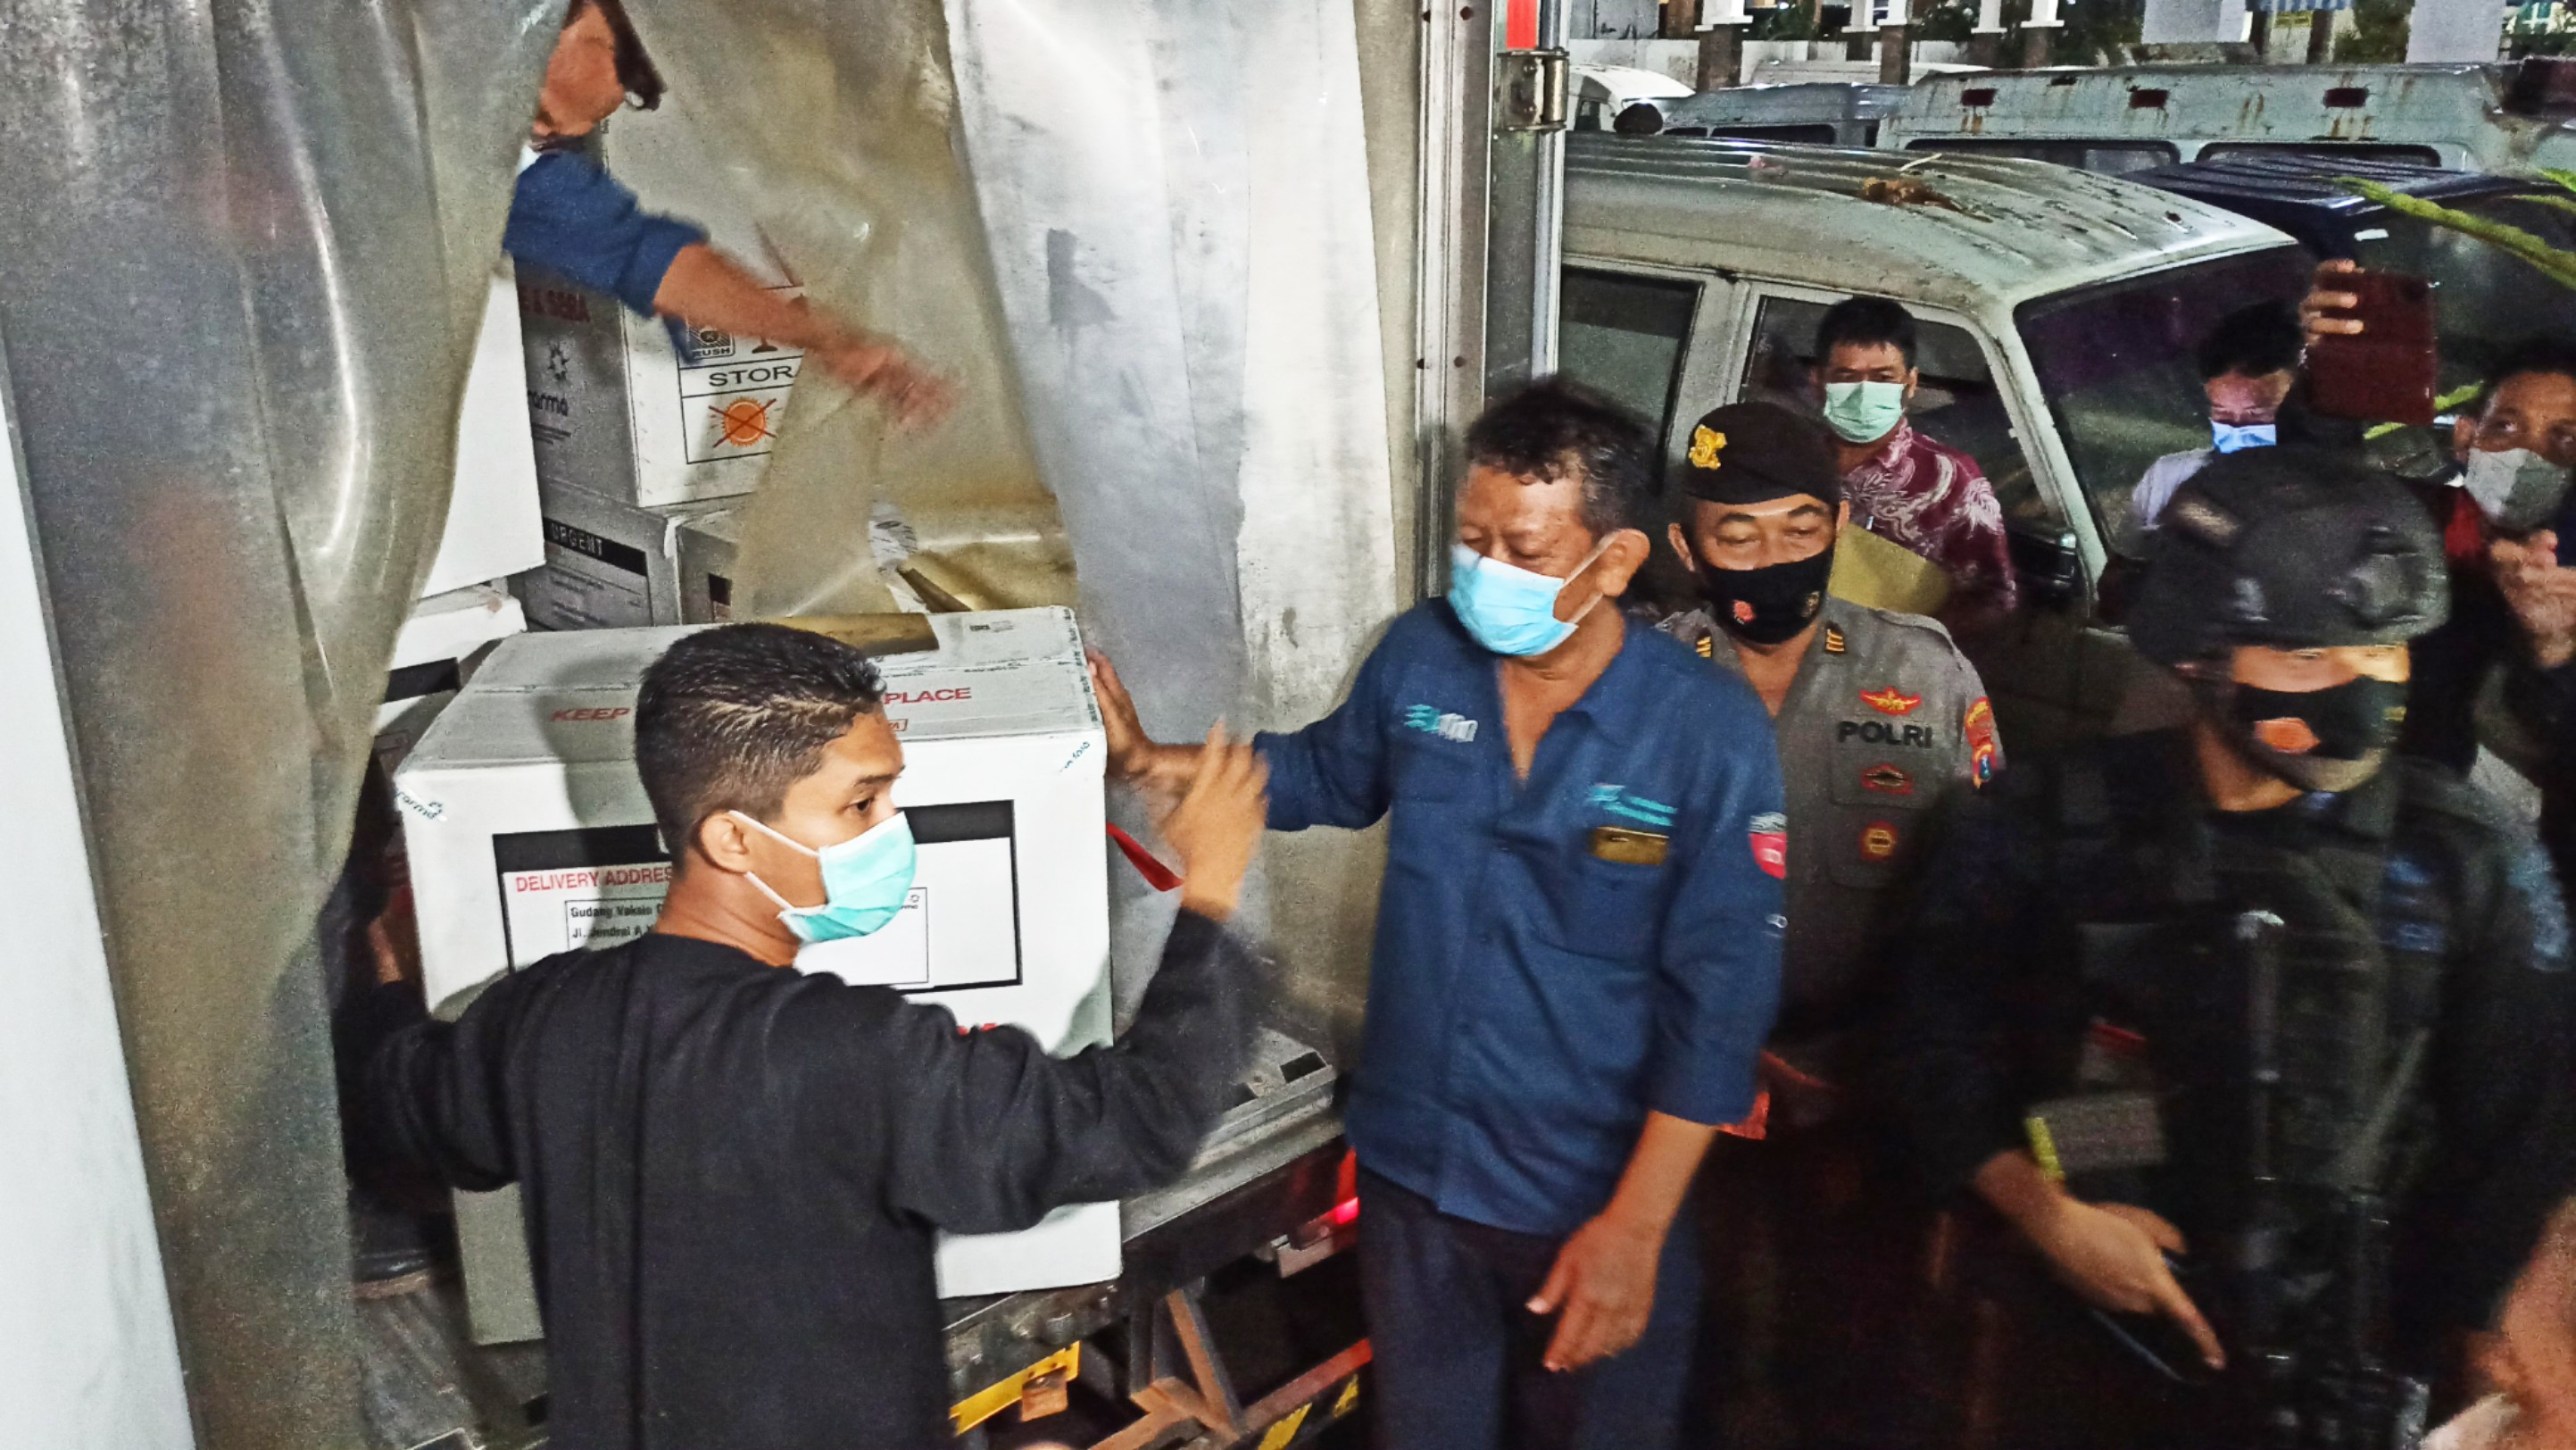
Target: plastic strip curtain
(247, 243)
(827, 131)
(1138, 232)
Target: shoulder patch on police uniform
(1979, 727)
(1834, 642)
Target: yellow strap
(984, 1404)
(1286, 1430)
(2043, 1147)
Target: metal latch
(1531, 88)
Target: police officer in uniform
(1878, 716)
(2199, 1012)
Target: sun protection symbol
(1706, 444)
(744, 421)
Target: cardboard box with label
(491, 528)
(529, 834)
(643, 410)
(608, 564)
(434, 656)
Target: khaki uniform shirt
(1884, 716)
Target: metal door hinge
(1531, 89)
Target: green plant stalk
(2557, 265)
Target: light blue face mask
(2237, 437)
(865, 881)
(1864, 412)
(1511, 611)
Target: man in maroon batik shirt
(1903, 485)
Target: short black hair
(2252, 341)
(635, 70)
(1865, 322)
(1555, 427)
(729, 718)
(2542, 354)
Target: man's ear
(1681, 543)
(725, 843)
(2464, 436)
(1913, 380)
(1620, 561)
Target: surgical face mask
(1769, 604)
(2517, 489)
(1511, 611)
(865, 881)
(2237, 437)
(2321, 740)
(1864, 412)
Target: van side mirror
(2046, 561)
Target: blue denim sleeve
(571, 217)
(1333, 772)
(1720, 970)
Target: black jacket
(1997, 1002)
(731, 1172)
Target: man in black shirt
(2078, 1006)
(732, 1171)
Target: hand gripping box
(529, 835)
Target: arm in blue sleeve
(571, 217)
(1720, 972)
(1333, 772)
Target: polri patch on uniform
(1769, 832)
(1834, 642)
(1878, 841)
(1886, 779)
(1889, 700)
(1979, 726)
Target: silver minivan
(2058, 312)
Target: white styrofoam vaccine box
(529, 834)
(434, 655)
(491, 528)
(609, 564)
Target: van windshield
(2115, 363)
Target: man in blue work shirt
(1578, 948)
(569, 216)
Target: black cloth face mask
(2319, 740)
(1770, 604)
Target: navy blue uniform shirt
(569, 216)
(1529, 1002)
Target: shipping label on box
(609, 564)
(530, 835)
(645, 411)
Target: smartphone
(2386, 374)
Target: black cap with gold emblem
(2291, 548)
(1756, 452)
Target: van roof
(1770, 105)
(1947, 230)
(2317, 181)
(2283, 103)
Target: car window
(2115, 364)
(2372, 150)
(1589, 115)
(2109, 157)
(1624, 335)
(1957, 403)
(1817, 135)
(2485, 300)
